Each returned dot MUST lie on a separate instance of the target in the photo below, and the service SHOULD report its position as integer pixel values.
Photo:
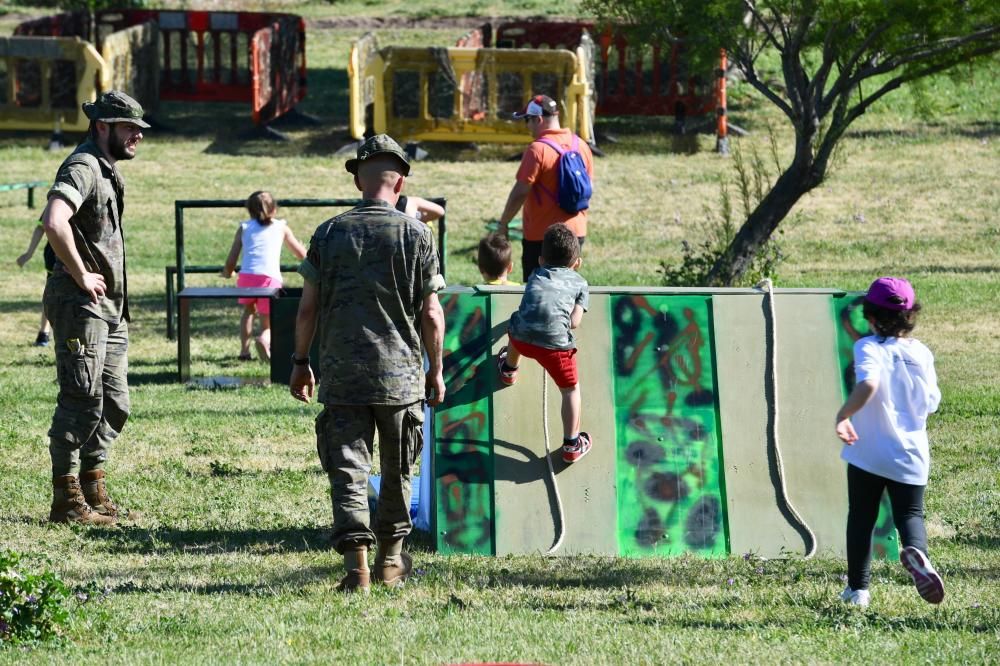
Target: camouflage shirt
(95, 190)
(372, 267)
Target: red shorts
(254, 280)
(559, 363)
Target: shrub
(753, 180)
(33, 606)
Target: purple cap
(891, 293)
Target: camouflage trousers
(93, 401)
(345, 441)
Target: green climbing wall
(463, 448)
(677, 395)
(670, 498)
(851, 326)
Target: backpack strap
(556, 147)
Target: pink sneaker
(925, 577)
(573, 453)
(507, 377)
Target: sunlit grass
(229, 560)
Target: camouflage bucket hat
(115, 106)
(378, 145)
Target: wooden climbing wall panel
(677, 394)
(526, 507)
(670, 498)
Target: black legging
(864, 495)
(531, 251)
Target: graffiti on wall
(851, 327)
(670, 498)
(463, 465)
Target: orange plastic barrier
(252, 57)
(279, 83)
(625, 82)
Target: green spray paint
(851, 326)
(463, 451)
(670, 498)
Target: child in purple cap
(883, 425)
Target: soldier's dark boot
(96, 494)
(69, 505)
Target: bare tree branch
(796, 76)
(752, 8)
(751, 73)
(818, 82)
(941, 48)
(912, 75)
(876, 32)
(779, 20)
(843, 78)
(796, 38)
(848, 80)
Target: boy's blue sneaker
(571, 454)
(42, 339)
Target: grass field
(229, 561)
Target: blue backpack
(573, 180)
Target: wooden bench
(171, 287)
(10, 187)
(184, 299)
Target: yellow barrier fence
(132, 64)
(47, 79)
(463, 94)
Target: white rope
(552, 471)
(768, 287)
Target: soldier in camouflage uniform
(86, 299)
(371, 283)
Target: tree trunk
(763, 220)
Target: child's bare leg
(571, 408)
(264, 339)
(246, 328)
(513, 356)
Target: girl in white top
(260, 239)
(883, 425)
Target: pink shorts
(252, 280)
(559, 363)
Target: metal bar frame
(180, 267)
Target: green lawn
(229, 560)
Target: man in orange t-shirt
(536, 185)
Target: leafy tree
(838, 57)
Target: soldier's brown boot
(358, 578)
(96, 495)
(69, 505)
(392, 564)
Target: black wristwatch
(299, 361)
